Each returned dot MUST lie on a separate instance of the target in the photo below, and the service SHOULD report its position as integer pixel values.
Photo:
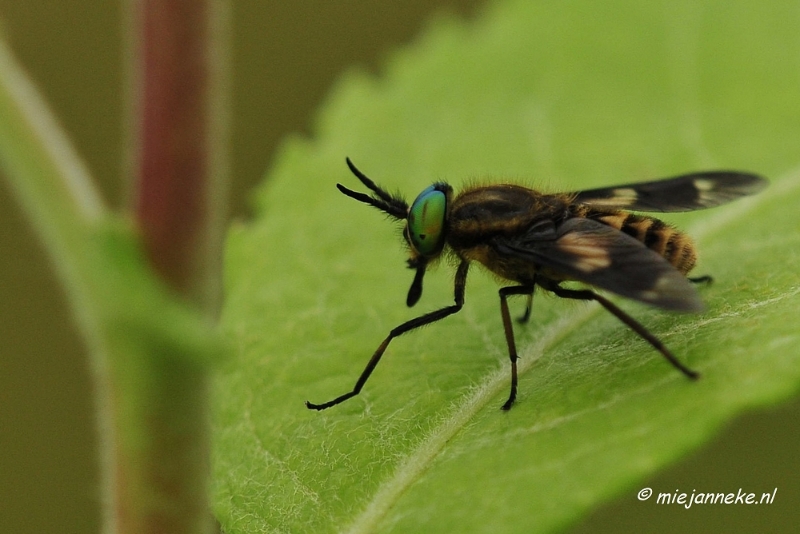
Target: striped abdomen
(670, 243)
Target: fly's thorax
(665, 240)
(481, 212)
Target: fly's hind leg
(633, 324)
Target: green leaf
(554, 96)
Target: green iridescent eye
(426, 221)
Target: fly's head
(425, 222)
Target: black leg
(705, 279)
(505, 292)
(628, 320)
(528, 305)
(428, 318)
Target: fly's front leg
(505, 292)
(428, 318)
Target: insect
(536, 240)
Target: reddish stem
(173, 161)
(160, 400)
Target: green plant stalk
(56, 193)
(150, 349)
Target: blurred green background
(286, 56)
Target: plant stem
(162, 453)
(149, 351)
(180, 196)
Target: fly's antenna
(393, 205)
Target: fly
(537, 240)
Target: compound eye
(426, 222)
